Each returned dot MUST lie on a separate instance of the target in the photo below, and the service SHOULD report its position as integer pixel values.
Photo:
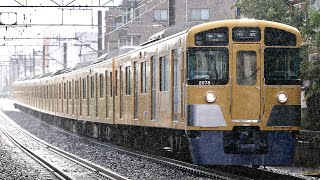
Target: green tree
(310, 70)
(272, 10)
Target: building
(134, 21)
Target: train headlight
(210, 97)
(282, 97)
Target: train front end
(242, 92)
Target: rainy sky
(44, 16)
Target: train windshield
(281, 66)
(208, 66)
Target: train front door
(246, 83)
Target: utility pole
(65, 55)
(99, 33)
(172, 13)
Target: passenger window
(128, 80)
(92, 87)
(164, 73)
(246, 67)
(144, 77)
(84, 89)
(101, 85)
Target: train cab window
(164, 73)
(278, 37)
(246, 67)
(208, 66)
(282, 66)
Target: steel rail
(100, 171)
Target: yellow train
(228, 92)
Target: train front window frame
(199, 71)
(282, 66)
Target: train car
(227, 92)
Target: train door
(246, 83)
(154, 88)
(135, 90)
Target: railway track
(60, 163)
(174, 164)
(194, 169)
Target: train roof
(244, 22)
(115, 53)
(171, 31)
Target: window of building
(132, 40)
(160, 15)
(133, 13)
(118, 21)
(199, 14)
(164, 73)
(144, 77)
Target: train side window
(101, 85)
(92, 87)
(64, 90)
(80, 89)
(111, 85)
(76, 89)
(84, 89)
(164, 73)
(116, 83)
(246, 67)
(128, 80)
(144, 84)
(60, 89)
(69, 90)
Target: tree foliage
(272, 10)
